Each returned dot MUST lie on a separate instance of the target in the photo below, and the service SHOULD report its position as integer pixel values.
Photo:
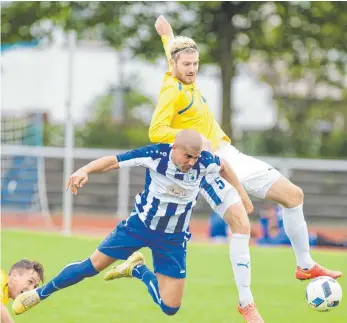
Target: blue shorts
(168, 249)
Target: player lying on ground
(181, 105)
(23, 276)
(160, 220)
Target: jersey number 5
(220, 183)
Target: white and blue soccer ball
(323, 293)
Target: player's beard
(190, 79)
(185, 168)
(183, 77)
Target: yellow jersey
(182, 106)
(4, 287)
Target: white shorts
(219, 194)
(256, 176)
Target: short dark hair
(28, 264)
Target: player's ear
(172, 63)
(14, 273)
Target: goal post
(81, 155)
(23, 183)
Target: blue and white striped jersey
(169, 195)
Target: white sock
(296, 228)
(240, 261)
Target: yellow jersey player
(24, 275)
(181, 105)
(4, 287)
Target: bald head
(186, 149)
(188, 139)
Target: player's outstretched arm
(160, 129)
(101, 165)
(166, 33)
(5, 315)
(80, 177)
(228, 173)
(163, 27)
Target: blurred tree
(304, 59)
(103, 131)
(307, 38)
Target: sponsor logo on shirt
(177, 191)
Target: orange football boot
(250, 314)
(316, 271)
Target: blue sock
(70, 275)
(143, 273)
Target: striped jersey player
(170, 194)
(159, 220)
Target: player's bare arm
(228, 173)
(80, 177)
(163, 27)
(5, 315)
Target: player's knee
(240, 225)
(246, 228)
(168, 310)
(296, 197)
(299, 196)
(243, 227)
(237, 219)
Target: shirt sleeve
(4, 288)
(160, 130)
(213, 165)
(166, 44)
(138, 157)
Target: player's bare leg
(166, 291)
(171, 290)
(286, 193)
(291, 197)
(237, 219)
(70, 275)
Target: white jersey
(169, 195)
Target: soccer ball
(323, 293)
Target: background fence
(324, 183)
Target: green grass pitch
(210, 295)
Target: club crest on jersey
(177, 191)
(192, 175)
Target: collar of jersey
(185, 86)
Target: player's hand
(76, 181)
(162, 27)
(247, 203)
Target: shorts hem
(178, 276)
(115, 255)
